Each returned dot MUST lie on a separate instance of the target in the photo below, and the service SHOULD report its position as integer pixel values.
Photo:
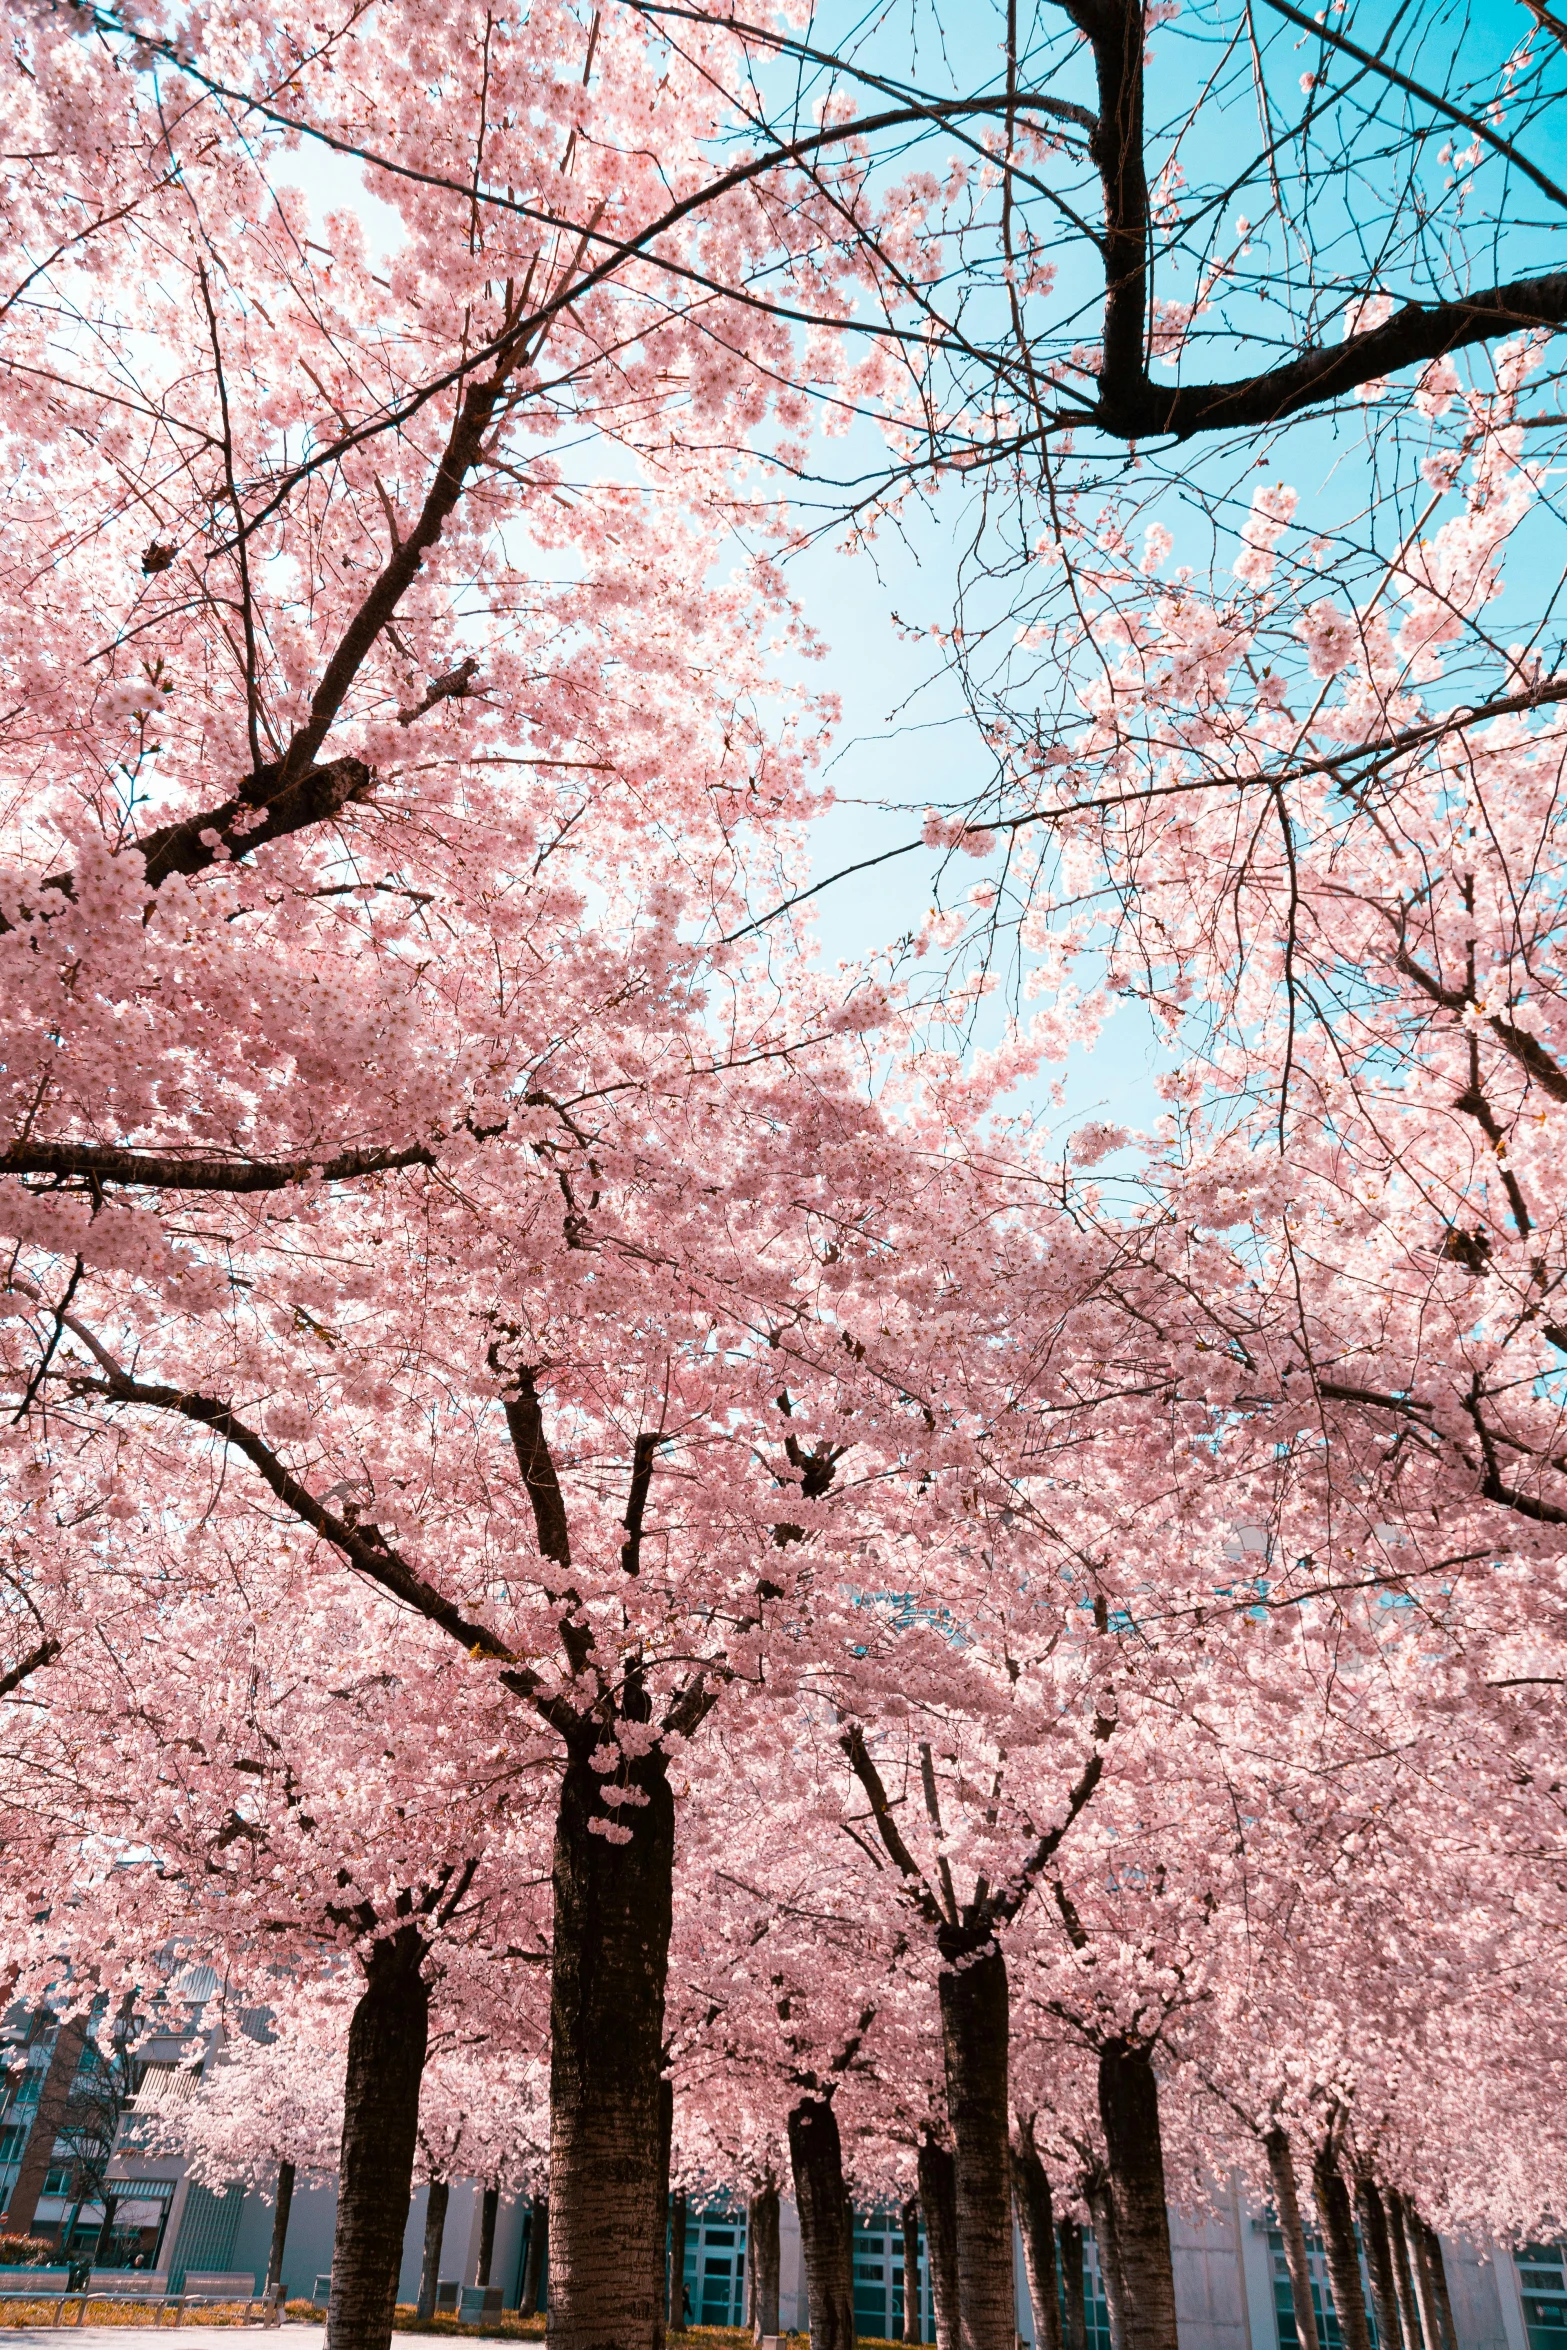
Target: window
(1543, 2287)
(878, 2278)
(715, 2267)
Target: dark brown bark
(974, 2039)
(1403, 2279)
(1036, 2226)
(939, 2203)
(612, 1905)
(913, 2328)
(666, 2144)
(677, 2259)
(1439, 2285)
(280, 2212)
(1130, 405)
(106, 2231)
(489, 2213)
(763, 2256)
(38, 2154)
(1074, 2325)
(387, 2040)
(1286, 2202)
(1129, 2114)
(434, 2239)
(534, 2266)
(107, 1163)
(1338, 2237)
(1379, 2262)
(1101, 2207)
(816, 2160)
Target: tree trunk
(939, 2203)
(1338, 2237)
(1425, 2281)
(1408, 2306)
(488, 2214)
(763, 2255)
(816, 2159)
(1439, 2285)
(434, 2237)
(106, 2232)
(538, 2257)
(974, 2037)
(677, 2260)
(1286, 2202)
(1074, 2330)
(387, 2039)
(1037, 2227)
(21, 2213)
(1379, 2262)
(1101, 2207)
(610, 1962)
(285, 2199)
(1129, 2112)
(913, 2327)
(666, 2147)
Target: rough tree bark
(284, 2204)
(538, 2257)
(38, 2154)
(913, 2328)
(974, 2039)
(939, 2203)
(677, 2259)
(1379, 2262)
(1074, 2329)
(386, 2049)
(434, 2238)
(1101, 2209)
(1036, 2226)
(816, 2159)
(1425, 2282)
(666, 2148)
(1408, 2306)
(1439, 2285)
(1338, 2236)
(612, 1905)
(1286, 2202)
(1129, 2113)
(762, 2233)
(489, 2212)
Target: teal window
(1542, 2286)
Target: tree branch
(110, 1163)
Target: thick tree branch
(853, 1744)
(34, 1661)
(1009, 1899)
(364, 1547)
(537, 1463)
(162, 1171)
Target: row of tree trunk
(608, 2204)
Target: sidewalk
(199, 2337)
